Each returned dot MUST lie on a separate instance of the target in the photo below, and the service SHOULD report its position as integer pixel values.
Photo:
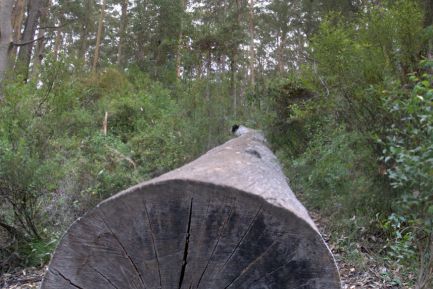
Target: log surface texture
(227, 220)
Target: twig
(30, 41)
(58, 26)
(26, 280)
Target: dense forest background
(98, 95)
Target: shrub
(408, 153)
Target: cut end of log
(182, 233)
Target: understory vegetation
(352, 124)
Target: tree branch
(59, 26)
(11, 230)
(28, 42)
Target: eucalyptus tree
(34, 9)
(99, 35)
(5, 37)
(17, 24)
(122, 32)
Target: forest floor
(370, 276)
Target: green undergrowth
(354, 134)
(72, 140)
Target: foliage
(56, 162)
(359, 91)
(408, 153)
(338, 173)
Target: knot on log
(225, 220)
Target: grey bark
(122, 33)
(25, 53)
(226, 220)
(85, 29)
(40, 44)
(99, 36)
(17, 23)
(252, 45)
(6, 7)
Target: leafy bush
(338, 173)
(359, 91)
(60, 155)
(409, 155)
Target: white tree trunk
(6, 7)
(17, 24)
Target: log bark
(225, 220)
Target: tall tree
(236, 39)
(34, 8)
(122, 33)
(6, 7)
(41, 40)
(183, 5)
(99, 35)
(85, 14)
(428, 21)
(252, 45)
(17, 24)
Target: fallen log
(225, 220)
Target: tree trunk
(25, 53)
(6, 7)
(40, 44)
(208, 97)
(252, 45)
(85, 28)
(17, 24)
(99, 36)
(233, 82)
(122, 34)
(428, 21)
(180, 42)
(58, 43)
(280, 53)
(226, 220)
(178, 55)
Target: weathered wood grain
(227, 220)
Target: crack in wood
(58, 273)
(185, 253)
(123, 248)
(273, 271)
(126, 204)
(242, 239)
(246, 269)
(104, 277)
(221, 229)
(152, 234)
